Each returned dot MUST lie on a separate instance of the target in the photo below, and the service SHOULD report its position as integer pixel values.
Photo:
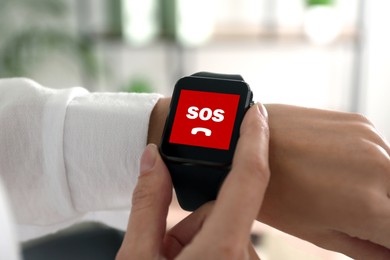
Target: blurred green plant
(138, 85)
(319, 2)
(30, 30)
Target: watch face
(204, 120)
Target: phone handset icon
(206, 131)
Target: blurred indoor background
(320, 53)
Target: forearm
(330, 179)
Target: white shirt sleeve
(65, 153)
(9, 248)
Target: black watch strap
(198, 184)
(195, 184)
(204, 74)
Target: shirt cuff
(104, 136)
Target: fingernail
(262, 110)
(148, 158)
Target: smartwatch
(201, 133)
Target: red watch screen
(204, 119)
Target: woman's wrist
(157, 120)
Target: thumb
(151, 199)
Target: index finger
(242, 193)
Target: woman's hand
(330, 181)
(219, 231)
